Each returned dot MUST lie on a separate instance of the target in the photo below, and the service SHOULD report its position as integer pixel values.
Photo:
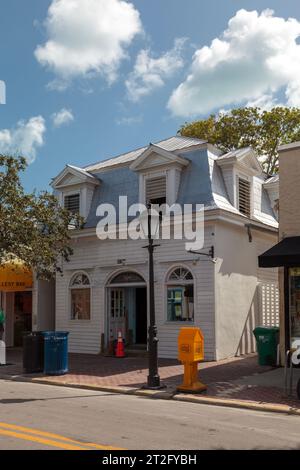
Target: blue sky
(77, 94)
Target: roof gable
(245, 158)
(155, 156)
(71, 176)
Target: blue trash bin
(55, 352)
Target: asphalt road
(34, 416)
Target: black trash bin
(33, 352)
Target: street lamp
(149, 221)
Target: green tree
(263, 130)
(33, 227)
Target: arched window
(80, 290)
(127, 277)
(180, 295)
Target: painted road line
(32, 433)
(40, 440)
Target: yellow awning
(15, 276)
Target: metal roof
(234, 153)
(171, 144)
(81, 170)
(272, 179)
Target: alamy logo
(296, 353)
(2, 92)
(177, 222)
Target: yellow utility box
(190, 352)
(190, 345)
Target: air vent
(72, 203)
(156, 190)
(244, 197)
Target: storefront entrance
(22, 316)
(16, 283)
(127, 309)
(17, 307)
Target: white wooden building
(104, 286)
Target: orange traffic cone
(120, 351)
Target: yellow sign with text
(15, 277)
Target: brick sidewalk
(222, 377)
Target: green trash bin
(267, 339)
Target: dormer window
(244, 196)
(156, 190)
(159, 175)
(72, 203)
(74, 188)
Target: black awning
(285, 253)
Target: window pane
(80, 280)
(181, 303)
(80, 304)
(126, 277)
(181, 274)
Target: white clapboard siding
(99, 260)
(203, 272)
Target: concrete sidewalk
(233, 382)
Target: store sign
(15, 277)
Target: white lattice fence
(268, 304)
(264, 311)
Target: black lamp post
(149, 221)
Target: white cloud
(265, 102)
(256, 56)
(86, 37)
(129, 120)
(64, 116)
(24, 139)
(150, 73)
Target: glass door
(116, 313)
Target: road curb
(242, 404)
(168, 394)
(161, 394)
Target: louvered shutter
(155, 188)
(72, 203)
(244, 197)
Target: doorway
(22, 316)
(17, 307)
(127, 309)
(141, 315)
